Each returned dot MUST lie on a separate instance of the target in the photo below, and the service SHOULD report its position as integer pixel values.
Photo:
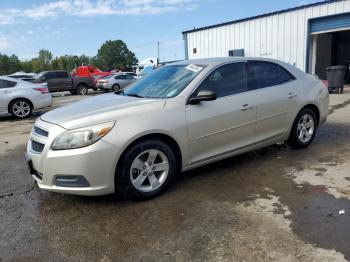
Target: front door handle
(246, 107)
(291, 95)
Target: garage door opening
(329, 44)
(330, 49)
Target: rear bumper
(45, 100)
(324, 107)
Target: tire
(82, 90)
(137, 179)
(303, 130)
(20, 108)
(115, 87)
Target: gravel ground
(273, 204)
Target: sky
(76, 27)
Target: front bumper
(95, 164)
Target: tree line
(113, 54)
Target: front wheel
(303, 130)
(146, 169)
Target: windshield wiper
(134, 95)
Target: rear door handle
(246, 107)
(291, 95)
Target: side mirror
(203, 95)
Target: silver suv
(179, 117)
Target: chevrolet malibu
(179, 117)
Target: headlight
(81, 137)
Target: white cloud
(95, 8)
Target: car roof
(221, 60)
(9, 78)
(214, 62)
(19, 81)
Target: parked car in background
(179, 117)
(58, 81)
(146, 71)
(115, 82)
(23, 76)
(20, 98)
(131, 74)
(90, 71)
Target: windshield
(165, 82)
(147, 70)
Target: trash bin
(335, 78)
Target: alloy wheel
(21, 109)
(306, 128)
(149, 170)
(82, 90)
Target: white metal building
(311, 37)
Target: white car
(20, 98)
(115, 82)
(179, 117)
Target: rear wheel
(304, 129)
(20, 108)
(82, 90)
(147, 169)
(116, 87)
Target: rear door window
(265, 74)
(50, 75)
(62, 74)
(7, 83)
(128, 77)
(227, 80)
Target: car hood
(100, 109)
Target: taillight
(325, 82)
(43, 90)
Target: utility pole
(158, 52)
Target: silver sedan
(20, 98)
(179, 117)
(115, 82)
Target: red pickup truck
(89, 71)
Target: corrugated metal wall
(281, 36)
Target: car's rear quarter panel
(314, 92)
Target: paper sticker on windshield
(194, 68)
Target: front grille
(37, 147)
(41, 132)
